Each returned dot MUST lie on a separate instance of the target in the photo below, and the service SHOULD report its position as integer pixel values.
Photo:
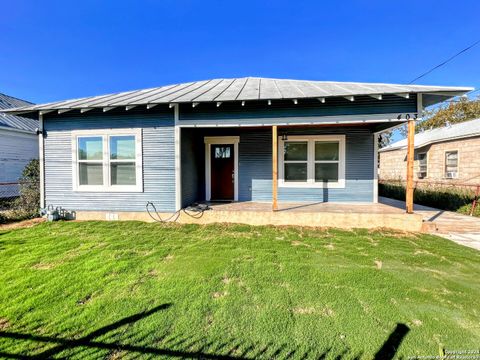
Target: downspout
(178, 159)
(41, 159)
(375, 166)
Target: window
(451, 164)
(422, 165)
(222, 152)
(312, 161)
(107, 160)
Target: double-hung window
(422, 165)
(312, 161)
(451, 164)
(107, 160)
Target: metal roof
(450, 132)
(8, 121)
(245, 89)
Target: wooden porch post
(410, 153)
(274, 168)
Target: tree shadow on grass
(190, 347)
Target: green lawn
(128, 289)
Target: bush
(452, 199)
(28, 203)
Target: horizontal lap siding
(158, 163)
(256, 168)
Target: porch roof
(245, 89)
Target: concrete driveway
(463, 229)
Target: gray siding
(158, 162)
(16, 150)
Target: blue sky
(57, 50)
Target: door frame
(227, 140)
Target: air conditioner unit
(421, 174)
(451, 175)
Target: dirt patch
(330, 247)
(168, 257)
(4, 324)
(43, 266)
(219, 294)
(299, 243)
(22, 224)
(378, 264)
(116, 354)
(417, 322)
(328, 312)
(85, 300)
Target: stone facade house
(449, 155)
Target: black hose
(194, 211)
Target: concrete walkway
(463, 229)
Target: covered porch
(281, 164)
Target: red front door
(222, 172)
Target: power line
(445, 62)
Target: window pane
(91, 174)
(90, 148)
(222, 152)
(296, 172)
(122, 173)
(326, 172)
(326, 150)
(122, 147)
(295, 150)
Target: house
(18, 144)
(447, 155)
(247, 140)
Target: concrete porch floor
(340, 215)
(302, 207)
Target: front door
(222, 167)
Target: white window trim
(107, 187)
(209, 140)
(426, 158)
(445, 164)
(310, 183)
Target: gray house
(18, 144)
(215, 140)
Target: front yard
(128, 289)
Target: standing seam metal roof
(243, 89)
(8, 121)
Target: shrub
(453, 199)
(28, 203)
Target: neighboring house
(449, 155)
(212, 141)
(18, 144)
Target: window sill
(109, 189)
(334, 185)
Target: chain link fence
(11, 194)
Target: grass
(89, 290)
